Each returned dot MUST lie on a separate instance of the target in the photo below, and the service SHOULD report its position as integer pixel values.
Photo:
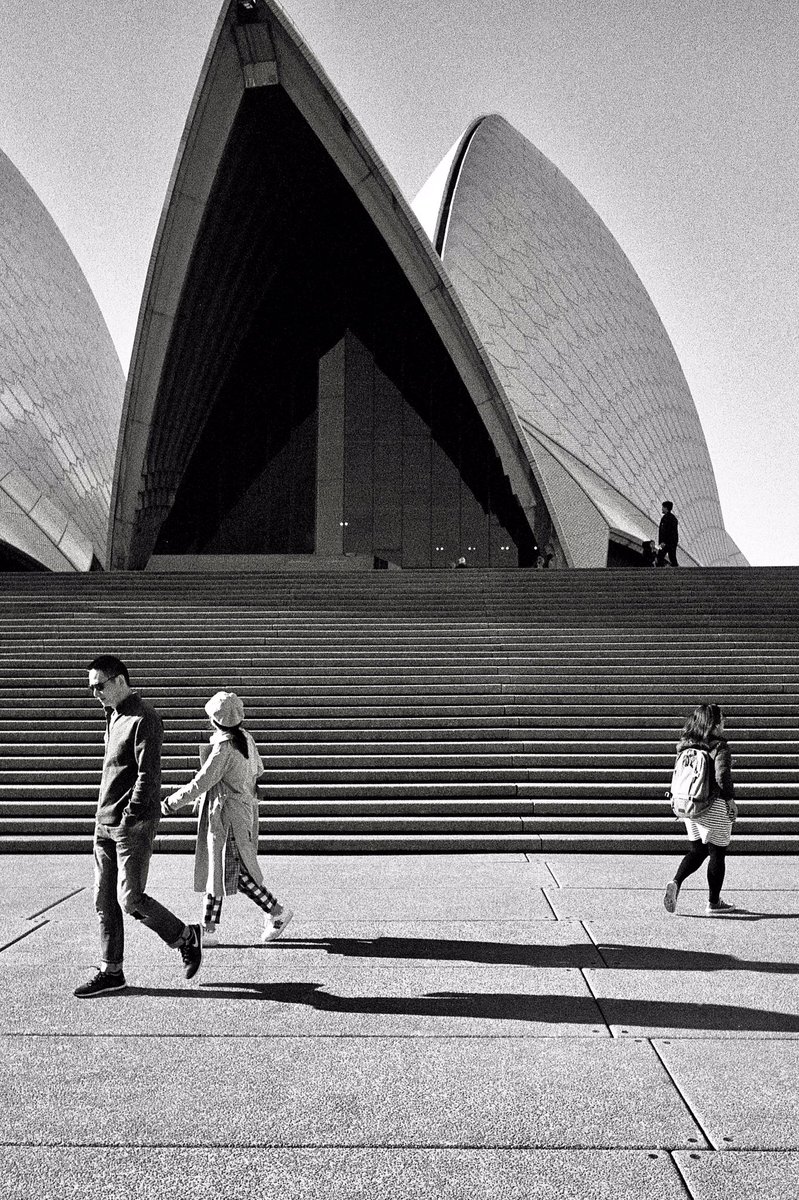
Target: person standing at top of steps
(709, 833)
(668, 535)
(128, 812)
(225, 791)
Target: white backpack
(690, 783)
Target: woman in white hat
(225, 791)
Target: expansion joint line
(583, 971)
(683, 1097)
(558, 884)
(596, 1001)
(20, 936)
(594, 943)
(681, 1175)
(55, 903)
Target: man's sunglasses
(100, 687)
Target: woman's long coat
(225, 787)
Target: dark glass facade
(317, 410)
(423, 485)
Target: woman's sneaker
(275, 923)
(210, 935)
(719, 907)
(670, 897)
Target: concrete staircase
(414, 711)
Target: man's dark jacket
(130, 789)
(667, 530)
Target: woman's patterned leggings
(257, 893)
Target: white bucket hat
(225, 708)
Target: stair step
(415, 711)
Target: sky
(677, 122)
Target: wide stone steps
(382, 823)
(596, 806)
(414, 711)
(485, 769)
(504, 752)
(774, 726)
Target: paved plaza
(500, 1026)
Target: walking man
(668, 536)
(128, 811)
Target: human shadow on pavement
(740, 914)
(512, 954)
(635, 1015)
(508, 954)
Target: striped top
(713, 826)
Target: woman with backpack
(710, 829)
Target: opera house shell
(582, 357)
(61, 392)
(315, 377)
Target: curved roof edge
(264, 53)
(432, 203)
(32, 523)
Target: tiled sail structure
(61, 388)
(580, 351)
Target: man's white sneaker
(719, 907)
(275, 924)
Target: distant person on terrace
(668, 536)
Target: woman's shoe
(210, 935)
(719, 907)
(275, 923)
(670, 897)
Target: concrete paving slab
(430, 1092)
(333, 871)
(313, 1011)
(767, 1175)
(489, 881)
(58, 870)
(639, 871)
(388, 944)
(614, 904)
(84, 1173)
(626, 904)
(744, 1100)
(421, 903)
(250, 991)
(28, 903)
(532, 944)
(359, 864)
(13, 929)
(693, 1004)
(615, 871)
(769, 946)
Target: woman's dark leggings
(715, 867)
